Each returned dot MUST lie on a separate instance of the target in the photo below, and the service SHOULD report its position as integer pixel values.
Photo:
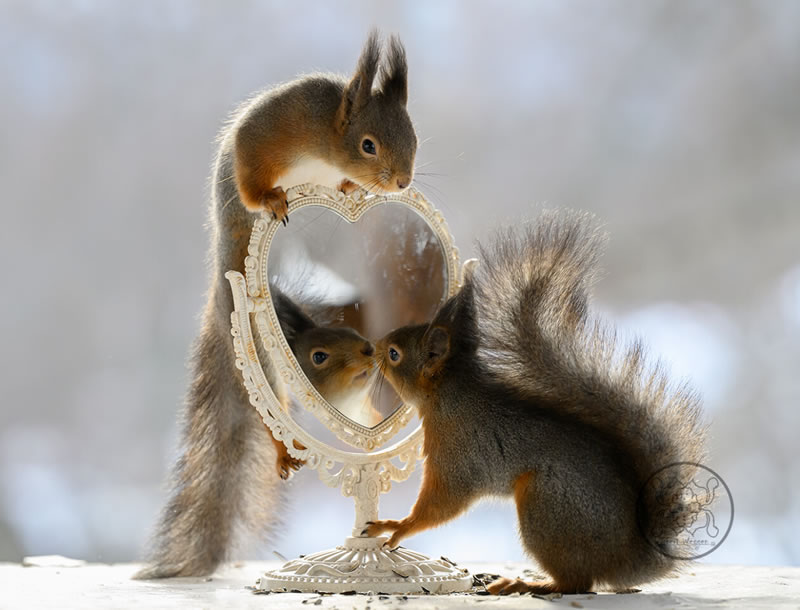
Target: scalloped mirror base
(364, 566)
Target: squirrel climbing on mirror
(524, 393)
(324, 130)
(320, 128)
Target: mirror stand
(360, 564)
(363, 564)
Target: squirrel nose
(368, 349)
(403, 182)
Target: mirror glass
(339, 287)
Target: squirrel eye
(319, 357)
(368, 146)
(394, 355)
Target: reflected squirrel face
(338, 361)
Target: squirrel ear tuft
(359, 89)
(457, 315)
(451, 331)
(458, 310)
(394, 76)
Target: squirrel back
(523, 392)
(538, 338)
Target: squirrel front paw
(348, 186)
(286, 466)
(376, 528)
(274, 201)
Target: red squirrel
(320, 128)
(523, 393)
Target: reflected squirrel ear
(437, 349)
(358, 91)
(292, 319)
(394, 76)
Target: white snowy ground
(110, 586)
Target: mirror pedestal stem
(366, 493)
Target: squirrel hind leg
(507, 586)
(544, 539)
(163, 570)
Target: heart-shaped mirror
(342, 273)
(337, 286)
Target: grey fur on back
(536, 336)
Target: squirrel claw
(287, 466)
(376, 528)
(274, 201)
(365, 531)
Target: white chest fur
(310, 169)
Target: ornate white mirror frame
(361, 564)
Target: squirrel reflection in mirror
(320, 128)
(338, 361)
(523, 393)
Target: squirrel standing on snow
(323, 129)
(523, 393)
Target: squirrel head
(337, 361)
(378, 141)
(416, 359)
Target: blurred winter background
(678, 123)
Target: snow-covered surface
(110, 586)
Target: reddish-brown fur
(259, 163)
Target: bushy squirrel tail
(225, 490)
(538, 337)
